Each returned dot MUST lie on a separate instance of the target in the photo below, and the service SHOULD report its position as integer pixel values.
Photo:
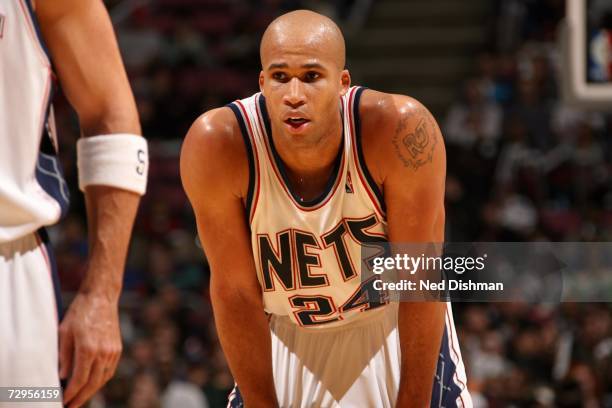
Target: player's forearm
(245, 337)
(110, 214)
(421, 325)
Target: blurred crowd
(522, 166)
(525, 166)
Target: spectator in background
(183, 394)
(144, 392)
(518, 162)
(474, 120)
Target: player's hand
(89, 346)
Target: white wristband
(117, 160)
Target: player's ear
(261, 82)
(345, 81)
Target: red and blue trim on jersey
(48, 172)
(34, 28)
(253, 159)
(264, 127)
(365, 176)
(281, 173)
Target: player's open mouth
(296, 123)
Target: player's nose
(295, 97)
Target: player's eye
(279, 76)
(312, 76)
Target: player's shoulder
(216, 129)
(397, 126)
(383, 111)
(214, 147)
(214, 137)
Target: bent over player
(73, 39)
(285, 186)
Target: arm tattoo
(415, 147)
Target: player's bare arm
(80, 37)
(405, 150)
(215, 176)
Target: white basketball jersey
(32, 190)
(308, 257)
(308, 253)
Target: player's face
(302, 87)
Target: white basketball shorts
(29, 304)
(354, 366)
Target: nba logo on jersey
(349, 183)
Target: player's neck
(309, 163)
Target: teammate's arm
(82, 43)
(215, 177)
(413, 180)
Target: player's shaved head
(303, 29)
(302, 58)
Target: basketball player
(77, 36)
(285, 185)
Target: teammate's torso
(308, 254)
(32, 190)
